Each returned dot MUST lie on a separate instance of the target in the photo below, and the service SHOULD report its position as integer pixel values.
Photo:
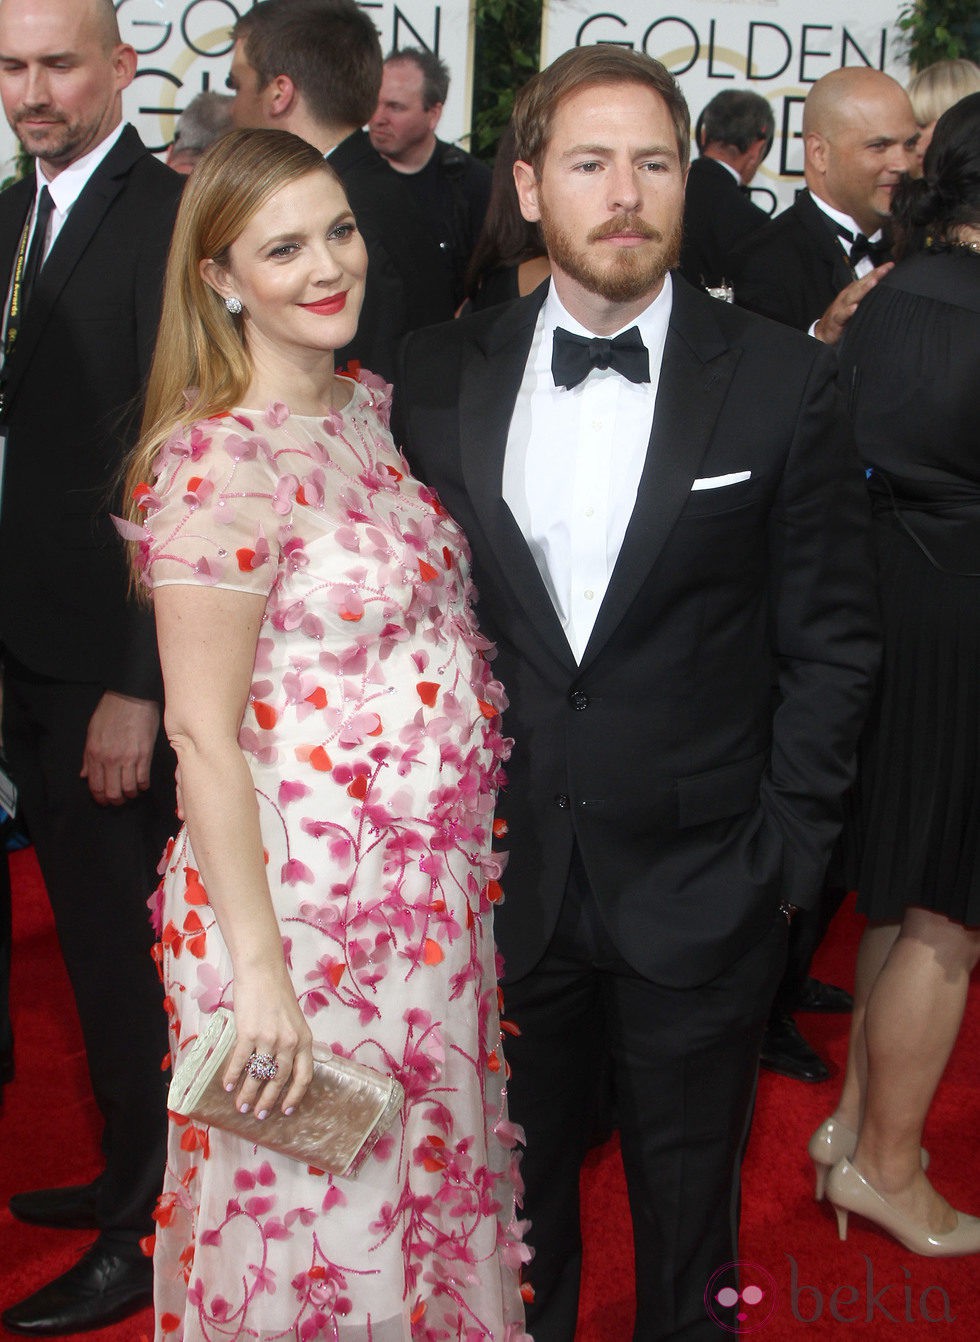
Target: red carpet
(869, 1288)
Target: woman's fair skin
(910, 995)
(298, 268)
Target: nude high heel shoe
(849, 1191)
(831, 1143)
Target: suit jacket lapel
(825, 243)
(490, 379)
(697, 368)
(80, 227)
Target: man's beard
(57, 143)
(627, 273)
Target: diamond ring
(262, 1067)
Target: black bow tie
(574, 356)
(876, 252)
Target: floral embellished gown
(373, 736)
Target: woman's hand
(268, 1020)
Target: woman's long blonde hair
(201, 366)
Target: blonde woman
(337, 730)
(933, 91)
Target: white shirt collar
(845, 220)
(71, 181)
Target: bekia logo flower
(753, 1303)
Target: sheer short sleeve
(213, 515)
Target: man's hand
(119, 747)
(833, 323)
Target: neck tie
(574, 356)
(32, 265)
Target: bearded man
(668, 529)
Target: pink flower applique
(276, 414)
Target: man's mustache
(24, 113)
(626, 223)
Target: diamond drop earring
(234, 305)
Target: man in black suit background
(451, 187)
(811, 265)
(314, 67)
(734, 134)
(668, 526)
(83, 243)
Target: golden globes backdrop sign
(778, 48)
(183, 46)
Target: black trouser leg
(99, 866)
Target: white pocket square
(720, 481)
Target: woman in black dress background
(910, 365)
(509, 259)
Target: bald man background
(81, 711)
(859, 135)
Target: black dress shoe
(102, 1288)
(784, 1050)
(65, 1208)
(818, 996)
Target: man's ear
(216, 277)
(279, 97)
(527, 191)
(124, 60)
(816, 149)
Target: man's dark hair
(328, 48)
(435, 73)
(735, 117)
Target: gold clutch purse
(334, 1127)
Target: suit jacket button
(562, 801)
(579, 699)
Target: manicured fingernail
(263, 1113)
(230, 1086)
(243, 1108)
(290, 1110)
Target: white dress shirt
(573, 463)
(865, 265)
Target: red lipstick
(327, 307)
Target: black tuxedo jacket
(408, 282)
(717, 215)
(699, 751)
(71, 392)
(794, 268)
